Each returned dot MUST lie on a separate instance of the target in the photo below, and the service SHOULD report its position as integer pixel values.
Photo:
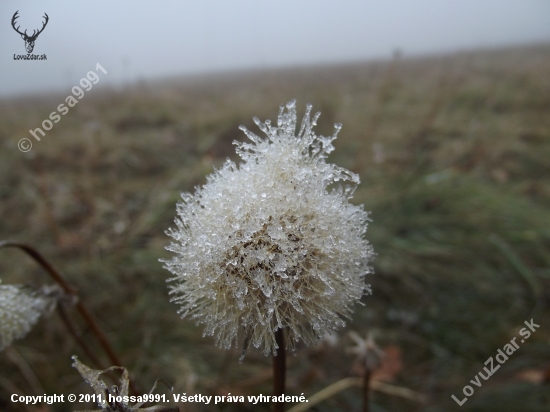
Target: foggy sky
(144, 39)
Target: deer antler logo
(29, 40)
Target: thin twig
(84, 312)
(32, 252)
(72, 329)
(366, 389)
(279, 370)
(346, 383)
(399, 391)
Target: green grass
(459, 193)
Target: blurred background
(446, 118)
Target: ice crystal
(268, 244)
(20, 309)
(367, 351)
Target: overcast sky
(145, 39)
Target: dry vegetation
(454, 158)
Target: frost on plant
(20, 309)
(114, 398)
(93, 378)
(273, 242)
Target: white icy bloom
(19, 311)
(273, 242)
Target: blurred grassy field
(454, 158)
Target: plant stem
(279, 370)
(72, 329)
(68, 289)
(366, 384)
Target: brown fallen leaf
(390, 366)
(531, 375)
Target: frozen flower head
(272, 243)
(19, 311)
